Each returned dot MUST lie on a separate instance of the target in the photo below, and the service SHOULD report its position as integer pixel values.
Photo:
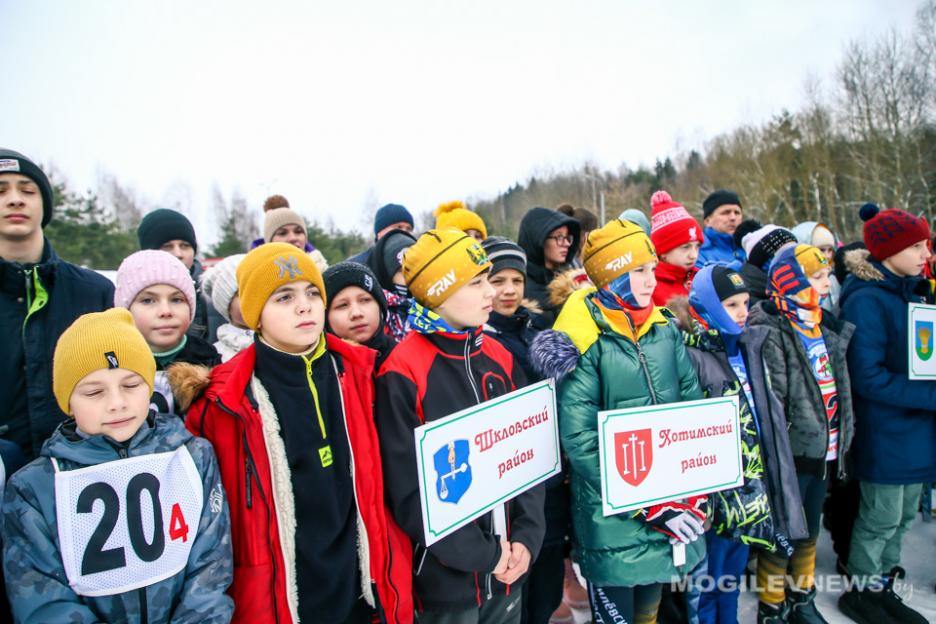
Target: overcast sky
(335, 104)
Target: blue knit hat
(390, 214)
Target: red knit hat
(888, 232)
(671, 226)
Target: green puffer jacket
(608, 371)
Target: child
(455, 215)
(158, 291)
(444, 365)
(387, 264)
(122, 517)
(760, 246)
(612, 348)
(219, 283)
(291, 417)
(805, 357)
(895, 440)
(357, 308)
(677, 238)
(764, 512)
(282, 224)
(515, 324)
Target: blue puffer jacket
(38, 587)
(895, 418)
(37, 303)
(719, 248)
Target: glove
(685, 528)
(681, 522)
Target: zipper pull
(249, 492)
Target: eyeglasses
(560, 239)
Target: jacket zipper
(642, 358)
(144, 609)
(801, 353)
(248, 461)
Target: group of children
(272, 477)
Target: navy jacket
(28, 411)
(895, 418)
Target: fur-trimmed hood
(679, 306)
(187, 381)
(866, 272)
(860, 264)
(564, 284)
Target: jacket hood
(564, 284)
(804, 231)
(159, 433)
(865, 272)
(536, 225)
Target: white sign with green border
(920, 327)
(659, 453)
(483, 456)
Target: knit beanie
(14, 162)
(387, 257)
(671, 226)
(96, 341)
(717, 199)
(822, 236)
(278, 217)
(504, 254)
(163, 225)
(744, 228)
(339, 276)
(456, 216)
(811, 259)
(636, 217)
(149, 267)
(888, 232)
(268, 267)
(439, 263)
(219, 284)
(615, 249)
(713, 284)
(389, 214)
(762, 245)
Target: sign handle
(500, 522)
(679, 554)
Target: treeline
(867, 135)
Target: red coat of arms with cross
(633, 454)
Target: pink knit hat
(148, 268)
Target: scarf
(789, 289)
(424, 321)
(618, 297)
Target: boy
(123, 517)
(447, 364)
(805, 357)
(291, 417)
(357, 308)
(895, 440)
(677, 238)
(386, 262)
(158, 291)
(219, 284)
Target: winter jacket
(59, 292)
(793, 382)
(363, 257)
(232, 340)
(767, 510)
(536, 225)
(599, 369)
(720, 248)
(234, 412)
(672, 281)
(200, 326)
(755, 281)
(895, 437)
(39, 587)
(428, 377)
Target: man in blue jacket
(721, 215)
(40, 296)
(894, 452)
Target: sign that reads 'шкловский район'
(483, 456)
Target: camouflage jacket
(38, 586)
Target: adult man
(389, 217)
(721, 212)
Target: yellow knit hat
(96, 341)
(439, 263)
(615, 249)
(265, 269)
(455, 215)
(811, 259)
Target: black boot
(862, 606)
(891, 602)
(803, 607)
(771, 614)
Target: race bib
(128, 523)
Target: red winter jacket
(672, 281)
(227, 414)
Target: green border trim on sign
(654, 408)
(911, 341)
(445, 422)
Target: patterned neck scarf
(424, 321)
(789, 289)
(618, 296)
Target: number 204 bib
(128, 523)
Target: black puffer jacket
(536, 225)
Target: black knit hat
(504, 254)
(389, 214)
(727, 282)
(14, 162)
(720, 197)
(339, 276)
(387, 258)
(744, 228)
(766, 242)
(163, 225)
